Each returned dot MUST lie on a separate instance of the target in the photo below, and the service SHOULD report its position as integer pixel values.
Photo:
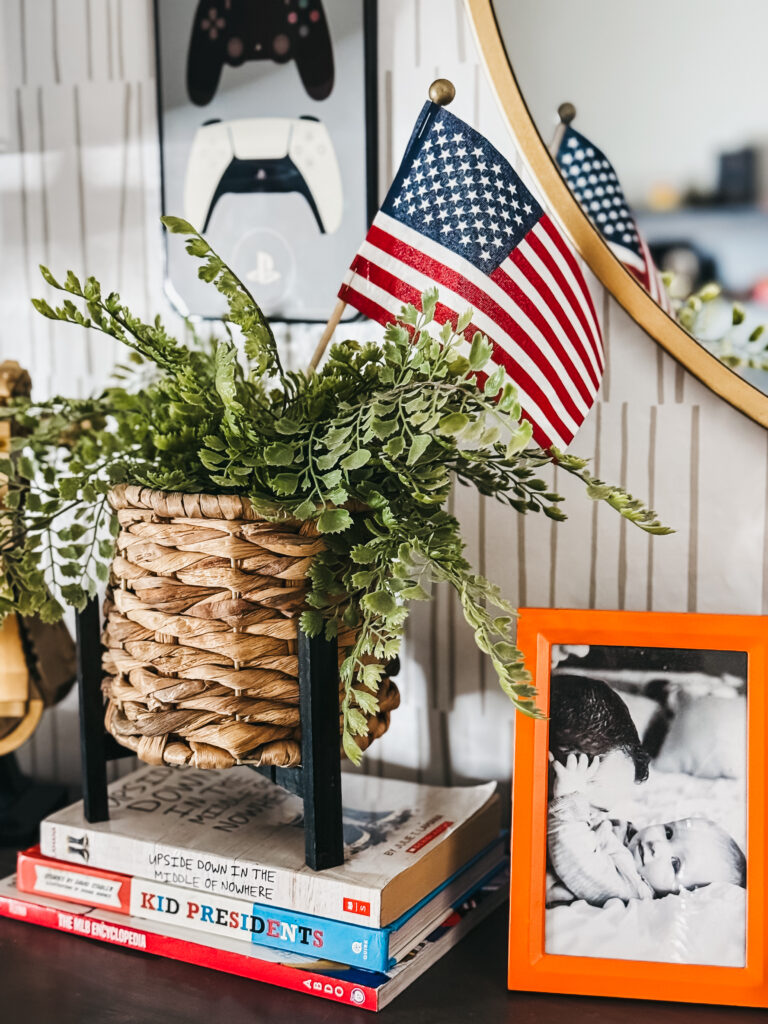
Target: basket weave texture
(201, 662)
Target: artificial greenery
(368, 447)
(739, 345)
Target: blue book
(373, 949)
(379, 949)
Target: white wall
(83, 191)
(661, 86)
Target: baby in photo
(597, 858)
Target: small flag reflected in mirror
(595, 184)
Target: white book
(234, 833)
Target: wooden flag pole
(330, 327)
(441, 92)
(566, 112)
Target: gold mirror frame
(627, 291)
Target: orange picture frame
(531, 968)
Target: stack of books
(208, 868)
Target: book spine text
(245, 965)
(254, 923)
(213, 875)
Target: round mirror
(673, 95)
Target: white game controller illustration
(264, 154)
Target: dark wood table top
(50, 978)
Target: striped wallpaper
(80, 188)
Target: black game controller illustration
(234, 31)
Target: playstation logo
(79, 845)
(264, 272)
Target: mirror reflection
(674, 97)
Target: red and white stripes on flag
(652, 281)
(640, 264)
(535, 308)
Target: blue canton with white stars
(457, 189)
(595, 184)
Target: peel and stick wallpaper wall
(79, 187)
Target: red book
(369, 990)
(372, 949)
(95, 887)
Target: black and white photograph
(647, 805)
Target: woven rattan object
(201, 631)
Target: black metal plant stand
(317, 780)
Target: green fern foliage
(368, 447)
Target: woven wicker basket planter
(201, 662)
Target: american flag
(459, 217)
(595, 184)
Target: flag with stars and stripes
(595, 184)
(459, 217)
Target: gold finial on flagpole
(566, 112)
(442, 92)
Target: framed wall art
(639, 806)
(268, 131)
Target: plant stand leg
(321, 765)
(93, 755)
(317, 781)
